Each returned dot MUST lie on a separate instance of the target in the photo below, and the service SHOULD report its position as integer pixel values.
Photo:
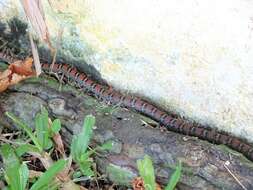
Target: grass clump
(147, 175)
(42, 144)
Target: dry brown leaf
(5, 77)
(15, 79)
(33, 174)
(22, 67)
(34, 12)
(158, 187)
(138, 184)
(71, 185)
(4, 83)
(17, 71)
(64, 175)
(59, 143)
(5, 74)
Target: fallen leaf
(59, 143)
(33, 174)
(17, 71)
(158, 187)
(5, 74)
(22, 67)
(71, 185)
(4, 83)
(138, 184)
(57, 140)
(16, 78)
(64, 175)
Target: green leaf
(146, 171)
(81, 141)
(86, 168)
(24, 148)
(16, 174)
(24, 175)
(56, 126)
(174, 178)
(49, 144)
(41, 128)
(45, 180)
(87, 154)
(106, 146)
(9, 156)
(24, 127)
(77, 174)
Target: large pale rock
(190, 56)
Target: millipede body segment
(172, 123)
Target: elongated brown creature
(171, 123)
(112, 96)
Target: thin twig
(7, 141)
(54, 51)
(10, 134)
(226, 164)
(36, 59)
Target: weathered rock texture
(203, 163)
(192, 57)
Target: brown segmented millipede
(171, 123)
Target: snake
(165, 119)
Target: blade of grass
(174, 178)
(80, 142)
(56, 126)
(49, 175)
(24, 127)
(86, 168)
(42, 129)
(16, 174)
(24, 148)
(146, 171)
(105, 146)
(24, 175)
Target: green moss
(53, 83)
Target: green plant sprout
(146, 171)
(16, 171)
